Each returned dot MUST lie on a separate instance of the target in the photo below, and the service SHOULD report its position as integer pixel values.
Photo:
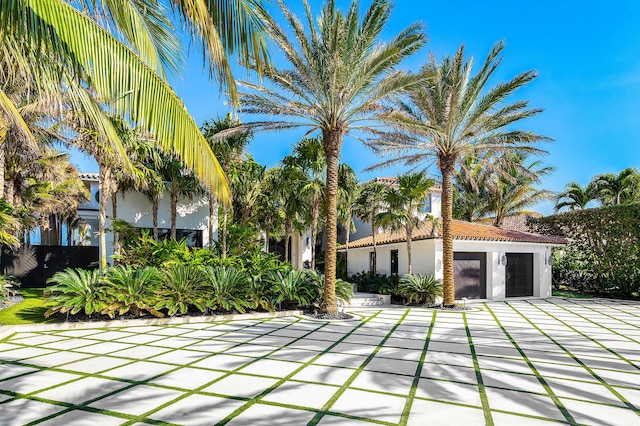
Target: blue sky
(587, 55)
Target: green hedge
(603, 254)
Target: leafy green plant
(420, 288)
(603, 251)
(75, 290)
(227, 287)
(182, 287)
(294, 287)
(131, 290)
(344, 291)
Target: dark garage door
(470, 275)
(519, 274)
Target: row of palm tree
(338, 80)
(608, 189)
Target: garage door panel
(470, 275)
(519, 275)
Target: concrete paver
(502, 363)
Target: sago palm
(339, 74)
(454, 114)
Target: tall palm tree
(575, 197)
(340, 73)
(71, 48)
(288, 181)
(369, 204)
(270, 209)
(514, 189)
(348, 194)
(454, 114)
(246, 180)
(405, 206)
(229, 152)
(308, 156)
(612, 189)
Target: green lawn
(30, 311)
(570, 294)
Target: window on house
(394, 263)
(371, 258)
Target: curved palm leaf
(131, 88)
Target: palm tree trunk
(154, 211)
(212, 207)
(174, 208)
(3, 134)
(8, 187)
(105, 177)
(225, 217)
(287, 235)
(332, 142)
(374, 271)
(314, 232)
(114, 215)
(346, 250)
(409, 234)
(446, 168)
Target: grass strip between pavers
(132, 383)
(488, 418)
(257, 398)
(608, 349)
(535, 371)
(414, 386)
(355, 374)
(582, 364)
(598, 324)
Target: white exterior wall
(135, 208)
(427, 259)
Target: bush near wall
(603, 254)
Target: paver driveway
(521, 362)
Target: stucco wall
(427, 259)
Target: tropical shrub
(226, 286)
(182, 288)
(603, 251)
(75, 290)
(420, 288)
(131, 290)
(378, 284)
(294, 288)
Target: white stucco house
(489, 263)
(192, 220)
(134, 207)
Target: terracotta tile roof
(461, 231)
(515, 222)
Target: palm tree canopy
(453, 115)
(340, 72)
(407, 201)
(575, 197)
(612, 189)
